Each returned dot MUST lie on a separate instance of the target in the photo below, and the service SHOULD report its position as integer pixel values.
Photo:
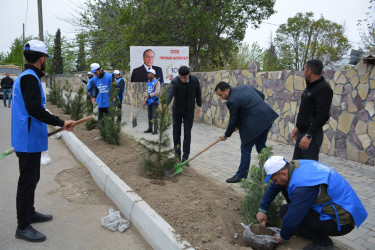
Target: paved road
(221, 162)
(75, 226)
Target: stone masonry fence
(349, 133)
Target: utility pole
(23, 42)
(40, 17)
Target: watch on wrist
(308, 136)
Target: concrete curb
(156, 231)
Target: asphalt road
(75, 226)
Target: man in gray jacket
(253, 118)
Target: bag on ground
(114, 222)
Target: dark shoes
(148, 131)
(30, 234)
(155, 132)
(38, 217)
(314, 246)
(234, 179)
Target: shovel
(135, 118)
(131, 103)
(178, 167)
(11, 150)
(134, 122)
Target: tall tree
(303, 38)
(212, 29)
(57, 60)
(270, 60)
(15, 56)
(367, 28)
(81, 64)
(244, 55)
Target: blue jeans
(260, 143)
(7, 93)
(187, 119)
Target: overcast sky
(13, 13)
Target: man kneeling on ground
(322, 202)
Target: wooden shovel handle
(204, 150)
(73, 124)
(144, 104)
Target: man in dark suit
(253, 118)
(140, 74)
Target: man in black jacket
(7, 85)
(186, 90)
(313, 112)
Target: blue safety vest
(28, 134)
(312, 173)
(90, 87)
(103, 85)
(151, 89)
(123, 89)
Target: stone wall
(350, 131)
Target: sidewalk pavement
(221, 162)
(75, 224)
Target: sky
(13, 13)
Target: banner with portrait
(164, 60)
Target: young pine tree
(255, 188)
(89, 107)
(157, 160)
(110, 129)
(77, 108)
(54, 93)
(68, 90)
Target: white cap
(272, 165)
(36, 45)
(94, 67)
(89, 73)
(117, 72)
(151, 71)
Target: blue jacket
(303, 190)
(121, 86)
(151, 89)
(90, 86)
(103, 84)
(248, 112)
(311, 173)
(28, 134)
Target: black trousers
(152, 116)
(101, 113)
(317, 230)
(312, 153)
(29, 166)
(119, 105)
(187, 120)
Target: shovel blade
(134, 122)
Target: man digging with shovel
(253, 118)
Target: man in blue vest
(90, 86)
(322, 202)
(153, 91)
(121, 90)
(30, 137)
(102, 81)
